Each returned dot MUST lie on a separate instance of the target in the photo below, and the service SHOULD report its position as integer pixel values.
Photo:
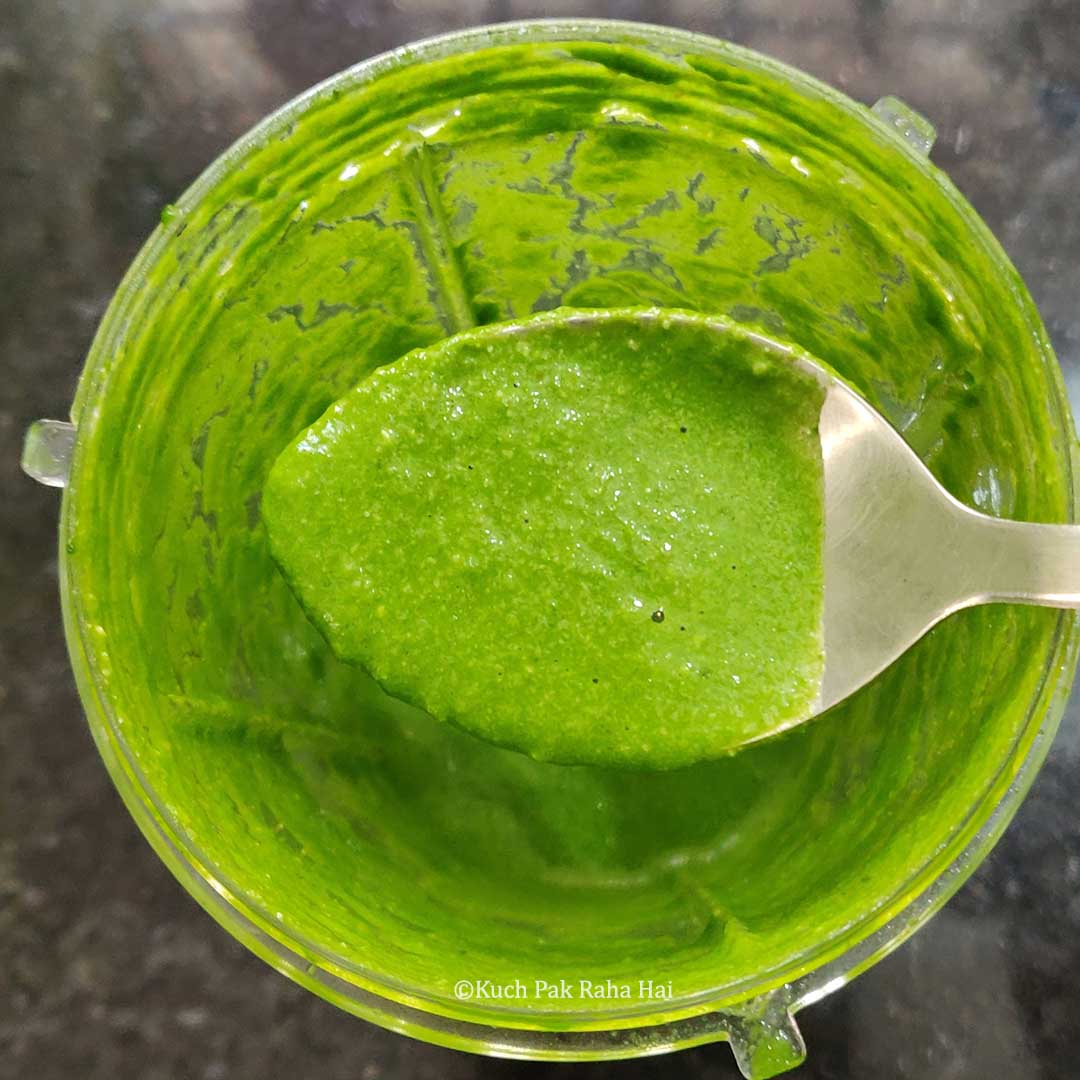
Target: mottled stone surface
(107, 110)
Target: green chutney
(596, 540)
(481, 186)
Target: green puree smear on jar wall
(594, 538)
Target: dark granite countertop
(108, 109)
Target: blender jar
(384, 860)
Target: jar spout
(47, 452)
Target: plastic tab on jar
(913, 126)
(765, 1039)
(47, 452)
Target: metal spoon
(901, 553)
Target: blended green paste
(482, 186)
(597, 540)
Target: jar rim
(822, 967)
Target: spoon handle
(1023, 562)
